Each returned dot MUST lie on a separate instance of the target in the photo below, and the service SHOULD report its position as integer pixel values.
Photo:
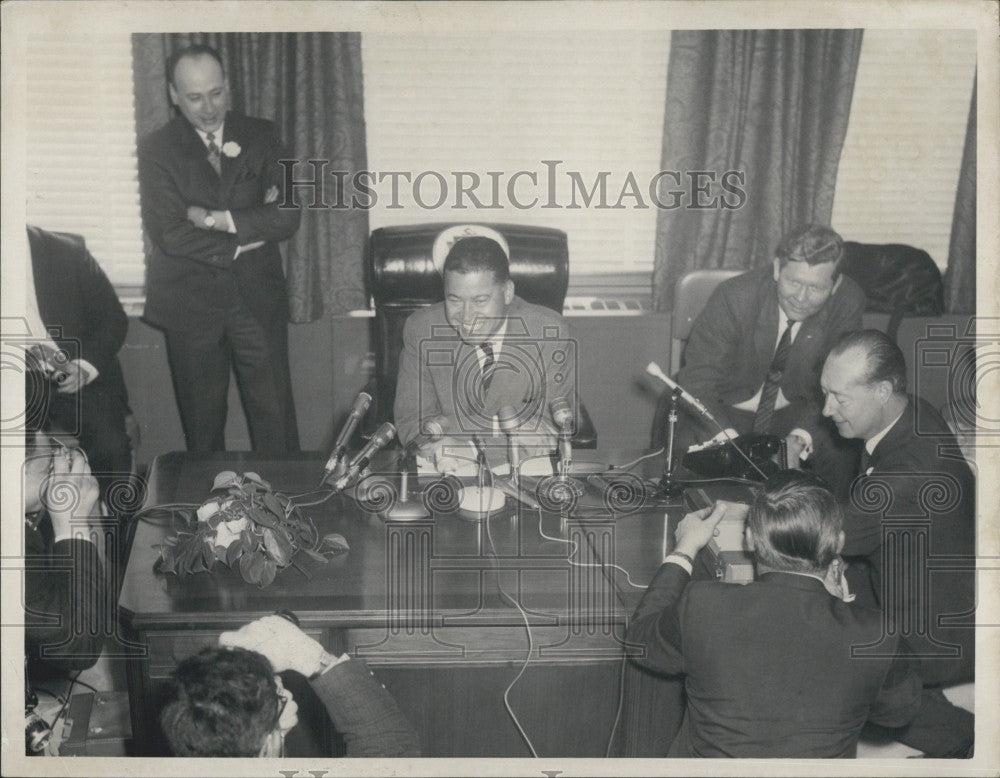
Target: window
(504, 108)
(899, 167)
(81, 147)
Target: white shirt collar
(217, 135)
(877, 438)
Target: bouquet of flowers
(248, 526)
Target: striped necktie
(214, 155)
(489, 362)
(769, 394)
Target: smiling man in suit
(483, 362)
(756, 351)
(209, 180)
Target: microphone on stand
(562, 415)
(654, 370)
(480, 501)
(335, 464)
(382, 437)
(507, 418)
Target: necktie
(769, 394)
(488, 364)
(214, 157)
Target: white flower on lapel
(231, 149)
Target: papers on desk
(465, 462)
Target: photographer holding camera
(64, 581)
(768, 666)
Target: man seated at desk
(768, 666)
(229, 701)
(756, 350)
(483, 363)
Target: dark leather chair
(402, 278)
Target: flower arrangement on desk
(248, 526)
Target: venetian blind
(899, 167)
(500, 106)
(81, 147)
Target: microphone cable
(524, 617)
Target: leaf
(220, 554)
(208, 555)
(278, 546)
(272, 504)
(334, 544)
(262, 517)
(225, 479)
(267, 573)
(234, 552)
(246, 563)
(314, 555)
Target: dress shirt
(781, 401)
(877, 438)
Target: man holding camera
(769, 668)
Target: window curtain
(310, 85)
(960, 277)
(772, 104)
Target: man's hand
(70, 378)
(286, 646)
(697, 528)
(196, 215)
(794, 446)
(71, 491)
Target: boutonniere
(231, 149)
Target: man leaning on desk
(768, 666)
(484, 362)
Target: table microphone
(382, 437)
(358, 410)
(654, 370)
(507, 418)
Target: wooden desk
(419, 601)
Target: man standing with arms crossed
(215, 285)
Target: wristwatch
(209, 220)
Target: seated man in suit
(229, 701)
(483, 363)
(79, 325)
(756, 350)
(64, 582)
(913, 474)
(768, 666)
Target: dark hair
(193, 51)
(813, 244)
(475, 254)
(884, 360)
(222, 702)
(796, 522)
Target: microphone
(432, 429)
(358, 410)
(563, 416)
(382, 437)
(654, 370)
(507, 418)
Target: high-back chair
(402, 278)
(690, 295)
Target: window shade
(81, 155)
(507, 103)
(899, 167)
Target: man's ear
(840, 541)
(748, 539)
(174, 97)
(508, 292)
(777, 268)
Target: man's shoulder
(54, 245)
(849, 293)
(533, 315)
(425, 319)
(163, 138)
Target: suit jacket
(733, 339)
(918, 475)
(364, 713)
(190, 271)
(768, 665)
(438, 372)
(64, 586)
(76, 297)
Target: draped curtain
(960, 277)
(772, 104)
(310, 85)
